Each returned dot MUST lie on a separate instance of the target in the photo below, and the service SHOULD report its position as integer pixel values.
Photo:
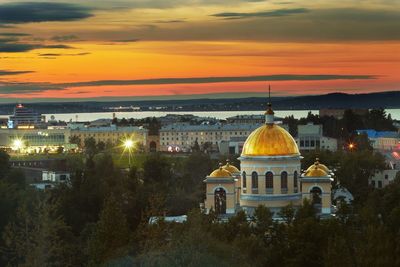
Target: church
(270, 174)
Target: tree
(101, 146)
(4, 164)
(196, 146)
(110, 236)
(90, 147)
(75, 139)
(40, 237)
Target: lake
(216, 114)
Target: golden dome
(220, 172)
(270, 140)
(316, 172)
(321, 166)
(230, 168)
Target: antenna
(269, 93)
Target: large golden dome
(270, 140)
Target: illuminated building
(25, 118)
(34, 140)
(182, 137)
(269, 175)
(112, 135)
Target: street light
(17, 144)
(128, 144)
(351, 146)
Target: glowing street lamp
(351, 146)
(17, 144)
(128, 144)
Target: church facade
(270, 174)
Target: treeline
(102, 219)
(345, 127)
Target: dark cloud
(12, 88)
(126, 41)
(16, 34)
(281, 77)
(170, 21)
(60, 54)
(272, 13)
(10, 72)
(8, 47)
(13, 45)
(25, 12)
(64, 38)
(57, 46)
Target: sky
(112, 50)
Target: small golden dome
(270, 140)
(230, 168)
(220, 172)
(316, 172)
(321, 166)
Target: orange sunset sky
(109, 50)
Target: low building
(183, 137)
(338, 113)
(310, 137)
(382, 140)
(246, 119)
(383, 178)
(112, 134)
(56, 176)
(34, 140)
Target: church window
(254, 181)
(244, 181)
(269, 182)
(295, 177)
(284, 184)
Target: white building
(182, 137)
(382, 140)
(310, 137)
(56, 176)
(383, 178)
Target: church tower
(270, 168)
(316, 187)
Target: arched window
(269, 182)
(284, 184)
(254, 181)
(244, 181)
(295, 185)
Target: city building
(269, 174)
(246, 119)
(183, 137)
(383, 178)
(56, 176)
(34, 140)
(25, 118)
(338, 113)
(112, 135)
(310, 137)
(382, 140)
